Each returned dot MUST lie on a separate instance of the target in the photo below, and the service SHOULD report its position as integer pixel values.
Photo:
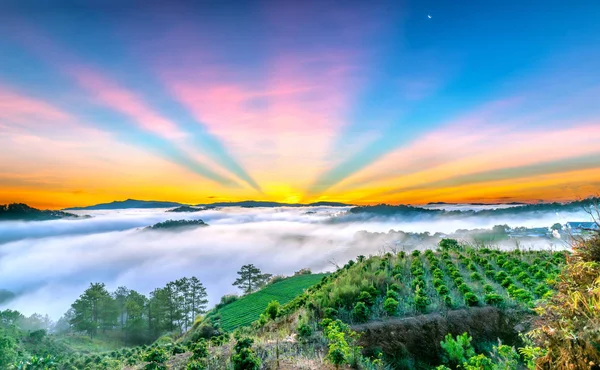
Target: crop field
(450, 278)
(248, 308)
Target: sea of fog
(49, 263)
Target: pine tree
(251, 278)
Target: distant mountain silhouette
(133, 203)
(129, 203)
(404, 210)
(257, 203)
(20, 211)
(183, 209)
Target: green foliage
(156, 358)
(8, 350)
(200, 350)
(251, 278)
(272, 309)
(340, 347)
(367, 298)
(493, 299)
(248, 309)
(390, 305)
(457, 351)
(244, 358)
(304, 331)
(449, 244)
(471, 299)
(360, 312)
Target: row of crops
(248, 308)
(460, 276)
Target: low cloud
(48, 264)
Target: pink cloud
(124, 101)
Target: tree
(94, 309)
(120, 296)
(8, 350)
(197, 297)
(568, 322)
(135, 324)
(251, 278)
(556, 227)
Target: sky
(299, 101)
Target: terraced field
(248, 309)
(449, 278)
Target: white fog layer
(49, 263)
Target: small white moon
(428, 16)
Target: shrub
(272, 309)
(200, 350)
(493, 298)
(366, 298)
(464, 288)
(395, 287)
(437, 282)
(476, 277)
(390, 305)
(416, 253)
(457, 351)
(442, 290)
(156, 359)
(391, 294)
(330, 313)
(360, 312)
(304, 331)
(449, 244)
(421, 302)
(488, 288)
(195, 365)
(244, 358)
(471, 299)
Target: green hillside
(248, 308)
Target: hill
(133, 203)
(127, 204)
(387, 210)
(177, 224)
(257, 203)
(247, 309)
(183, 209)
(20, 211)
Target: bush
(390, 305)
(442, 290)
(457, 351)
(416, 253)
(471, 299)
(493, 298)
(195, 365)
(272, 309)
(476, 277)
(421, 302)
(360, 312)
(449, 244)
(367, 298)
(200, 350)
(304, 331)
(156, 359)
(330, 313)
(244, 358)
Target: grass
(248, 308)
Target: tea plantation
(248, 308)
